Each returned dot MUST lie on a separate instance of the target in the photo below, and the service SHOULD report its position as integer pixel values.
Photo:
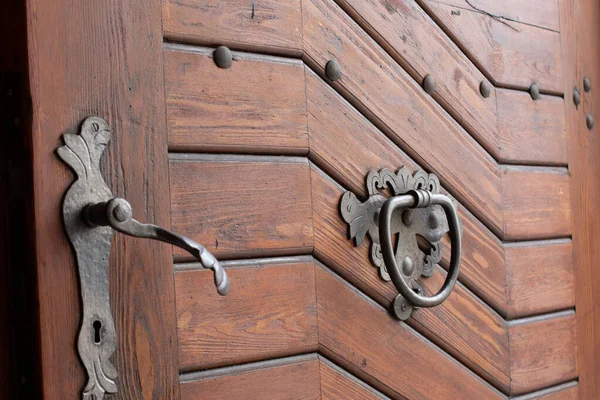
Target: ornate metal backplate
(97, 336)
(417, 257)
(91, 216)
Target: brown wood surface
(86, 58)
(347, 147)
(337, 384)
(541, 13)
(364, 339)
(462, 325)
(512, 53)
(543, 351)
(539, 277)
(270, 312)
(531, 131)
(566, 391)
(265, 26)
(580, 43)
(409, 35)
(242, 205)
(386, 94)
(536, 202)
(289, 379)
(256, 105)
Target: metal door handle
(91, 214)
(117, 214)
(419, 199)
(420, 216)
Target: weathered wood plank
(337, 384)
(409, 35)
(531, 131)
(384, 352)
(270, 312)
(385, 93)
(105, 59)
(543, 351)
(257, 105)
(294, 378)
(581, 57)
(540, 13)
(268, 26)
(462, 325)
(539, 277)
(536, 202)
(346, 146)
(514, 54)
(239, 206)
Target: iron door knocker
(420, 216)
(91, 215)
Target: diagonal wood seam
(491, 219)
(319, 347)
(345, 93)
(382, 387)
(323, 360)
(505, 312)
(501, 308)
(499, 235)
(250, 367)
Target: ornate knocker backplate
(419, 215)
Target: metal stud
(333, 70)
(223, 57)
(408, 266)
(589, 121)
(407, 217)
(576, 97)
(402, 308)
(534, 91)
(587, 84)
(429, 84)
(485, 89)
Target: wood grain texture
(267, 26)
(580, 48)
(257, 105)
(87, 58)
(290, 379)
(270, 312)
(346, 146)
(540, 13)
(462, 325)
(543, 352)
(539, 277)
(385, 93)
(384, 352)
(565, 391)
(337, 384)
(531, 131)
(242, 205)
(409, 35)
(536, 203)
(514, 54)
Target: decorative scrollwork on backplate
(420, 230)
(97, 335)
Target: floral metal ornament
(419, 229)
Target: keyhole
(97, 326)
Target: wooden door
(251, 160)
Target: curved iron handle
(420, 199)
(117, 214)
